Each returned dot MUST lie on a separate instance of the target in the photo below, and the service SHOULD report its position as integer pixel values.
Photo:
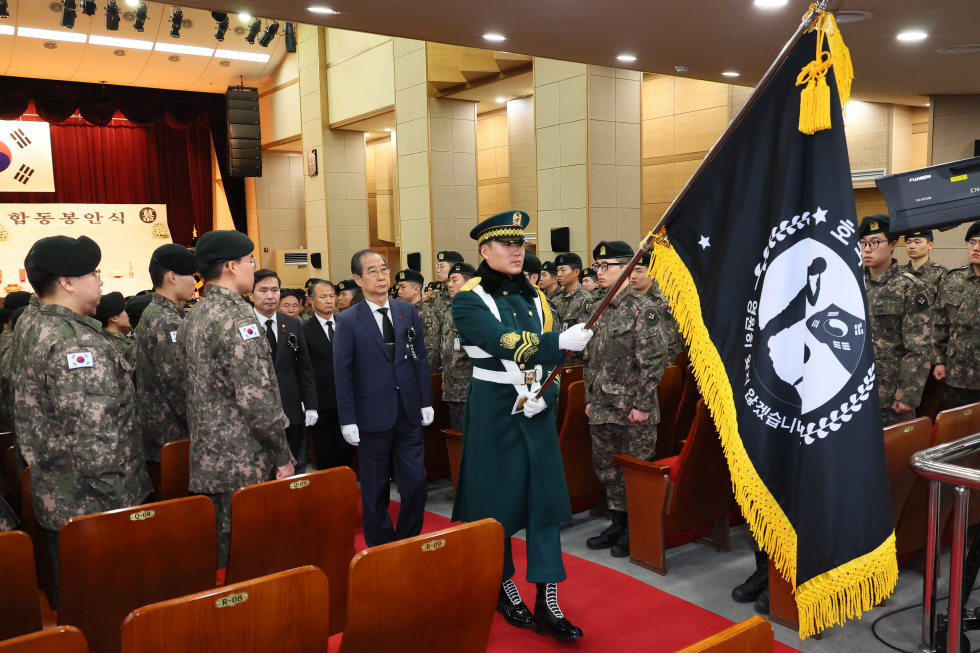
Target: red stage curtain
(122, 163)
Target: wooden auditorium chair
(910, 529)
(575, 442)
(279, 613)
(436, 458)
(175, 470)
(682, 361)
(686, 410)
(39, 537)
(114, 562)
(569, 375)
(296, 521)
(679, 500)
(60, 639)
(754, 635)
(932, 398)
(20, 608)
(669, 399)
(435, 593)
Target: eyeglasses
(872, 244)
(376, 272)
(602, 267)
(253, 262)
(973, 243)
(97, 273)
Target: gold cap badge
(517, 219)
(874, 225)
(441, 256)
(602, 251)
(401, 275)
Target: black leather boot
(762, 603)
(621, 549)
(610, 536)
(510, 604)
(548, 619)
(755, 584)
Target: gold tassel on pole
(815, 98)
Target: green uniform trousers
(544, 562)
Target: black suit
(297, 387)
(331, 448)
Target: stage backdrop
(125, 232)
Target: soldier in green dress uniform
(511, 468)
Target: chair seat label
(142, 515)
(433, 545)
(231, 599)
(295, 485)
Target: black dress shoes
(548, 619)
(509, 604)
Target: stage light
(269, 34)
(221, 20)
(176, 22)
(51, 35)
(141, 11)
(253, 31)
(290, 37)
(89, 7)
(112, 16)
(68, 14)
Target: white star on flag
(819, 215)
(704, 242)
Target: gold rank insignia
(441, 256)
(517, 219)
(602, 251)
(401, 276)
(874, 225)
(509, 340)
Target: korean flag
(25, 157)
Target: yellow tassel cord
(815, 99)
(830, 598)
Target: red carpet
(616, 612)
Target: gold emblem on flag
(517, 219)
(509, 340)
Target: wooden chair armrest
(449, 433)
(623, 460)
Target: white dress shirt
(275, 323)
(323, 323)
(378, 316)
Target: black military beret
(645, 259)
(532, 264)
(346, 284)
(16, 299)
(589, 272)
(16, 315)
(176, 258)
(922, 233)
(550, 267)
(223, 245)
(65, 256)
(973, 230)
(111, 305)
(874, 224)
(410, 275)
(462, 268)
(311, 282)
(568, 258)
(452, 257)
(612, 249)
(136, 306)
(434, 285)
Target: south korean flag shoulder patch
(80, 359)
(249, 331)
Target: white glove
(311, 417)
(534, 406)
(428, 415)
(575, 338)
(350, 434)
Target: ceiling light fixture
(769, 4)
(132, 3)
(141, 12)
(290, 38)
(926, 104)
(119, 53)
(959, 49)
(730, 74)
(626, 57)
(89, 7)
(221, 24)
(242, 56)
(501, 100)
(269, 34)
(387, 129)
(681, 69)
(253, 31)
(161, 46)
(112, 16)
(50, 45)
(174, 58)
(244, 18)
(68, 14)
(911, 36)
(51, 35)
(321, 10)
(4, 12)
(494, 37)
(7, 30)
(224, 64)
(115, 42)
(176, 22)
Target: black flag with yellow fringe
(763, 271)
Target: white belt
(475, 352)
(509, 378)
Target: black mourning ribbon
(409, 339)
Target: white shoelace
(510, 589)
(551, 598)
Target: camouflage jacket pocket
(888, 306)
(619, 342)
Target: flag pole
(805, 25)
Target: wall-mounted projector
(938, 197)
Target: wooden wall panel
(694, 95)
(522, 164)
(682, 172)
(658, 96)
(869, 201)
(658, 137)
(697, 131)
(492, 161)
(658, 183)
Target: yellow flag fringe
(829, 598)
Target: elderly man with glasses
(957, 337)
(902, 323)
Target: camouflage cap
(874, 224)
(66, 256)
(410, 275)
(111, 305)
(223, 245)
(175, 258)
(612, 249)
(16, 299)
(532, 264)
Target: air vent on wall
(296, 258)
(867, 175)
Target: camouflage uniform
(234, 414)
(25, 332)
(902, 324)
(160, 392)
(75, 411)
(8, 520)
(624, 363)
(122, 343)
(457, 371)
(929, 273)
(575, 308)
(430, 326)
(555, 296)
(958, 335)
(672, 330)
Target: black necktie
(388, 331)
(330, 331)
(270, 335)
